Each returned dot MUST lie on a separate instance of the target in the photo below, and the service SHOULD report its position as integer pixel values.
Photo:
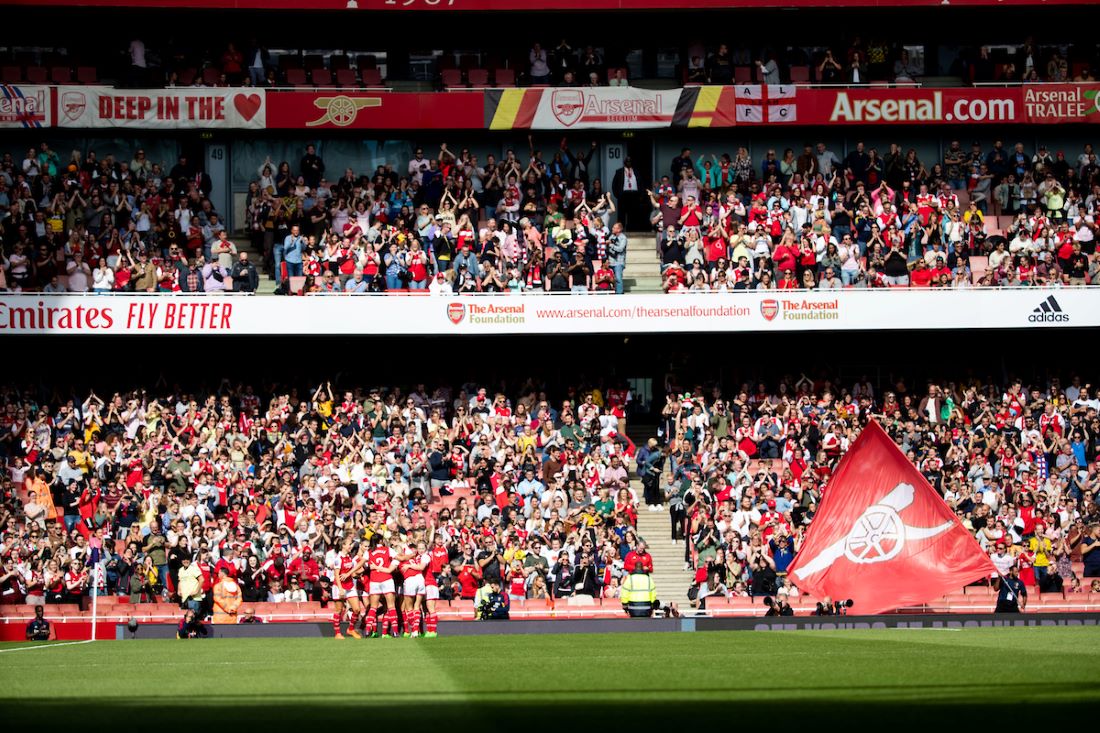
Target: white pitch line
(45, 646)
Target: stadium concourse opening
(685, 360)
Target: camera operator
(778, 608)
(39, 629)
(191, 627)
(494, 604)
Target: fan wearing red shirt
(787, 282)
(690, 214)
(715, 246)
(382, 563)
(639, 554)
(605, 278)
(785, 257)
(920, 276)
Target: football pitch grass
(885, 679)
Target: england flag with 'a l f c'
(766, 103)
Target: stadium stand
(459, 222)
(539, 493)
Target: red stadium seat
(505, 77)
(321, 77)
(742, 74)
(339, 61)
(451, 78)
(36, 75)
(345, 78)
(313, 61)
(371, 77)
(61, 75)
(800, 75)
(366, 61)
(185, 78)
(10, 75)
(478, 77)
(296, 78)
(211, 76)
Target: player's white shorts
(413, 586)
(431, 592)
(339, 593)
(381, 589)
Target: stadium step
(669, 576)
(643, 267)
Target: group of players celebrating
(373, 581)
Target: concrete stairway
(643, 267)
(668, 559)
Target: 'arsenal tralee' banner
(883, 537)
(173, 108)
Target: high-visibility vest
(638, 588)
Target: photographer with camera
(491, 604)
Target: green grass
(1015, 675)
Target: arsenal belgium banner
(883, 537)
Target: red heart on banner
(247, 105)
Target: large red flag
(883, 537)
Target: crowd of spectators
(157, 498)
(850, 60)
(445, 221)
(135, 493)
(80, 223)
(746, 470)
(815, 220)
(453, 222)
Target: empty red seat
(800, 74)
(478, 77)
(10, 74)
(321, 77)
(371, 77)
(211, 76)
(451, 78)
(742, 74)
(346, 78)
(61, 75)
(505, 77)
(296, 78)
(36, 74)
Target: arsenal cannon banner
(544, 108)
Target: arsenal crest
(769, 308)
(456, 312)
(73, 104)
(567, 105)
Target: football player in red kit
(437, 558)
(414, 560)
(382, 563)
(345, 567)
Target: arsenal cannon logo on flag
(883, 537)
